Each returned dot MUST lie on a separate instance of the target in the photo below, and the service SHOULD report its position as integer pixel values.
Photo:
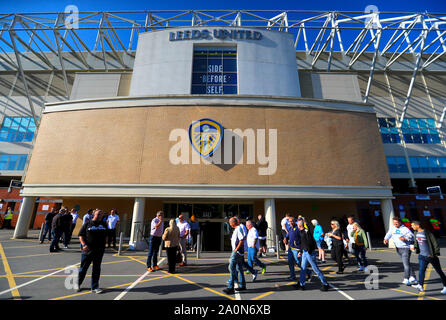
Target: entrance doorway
(213, 219)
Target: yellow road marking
(35, 255)
(54, 269)
(428, 275)
(201, 286)
(412, 293)
(19, 247)
(191, 282)
(206, 275)
(15, 293)
(415, 294)
(273, 260)
(61, 275)
(114, 287)
(26, 240)
(393, 251)
(263, 295)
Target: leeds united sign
(222, 34)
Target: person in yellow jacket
(7, 219)
(360, 246)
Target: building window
(428, 164)
(214, 71)
(415, 130)
(17, 129)
(397, 165)
(389, 131)
(15, 162)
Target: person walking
(428, 250)
(360, 245)
(294, 256)
(351, 240)
(345, 239)
(87, 216)
(57, 230)
(184, 227)
(318, 235)
(262, 228)
(7, 219)
(171, 237)
(308, 254)
(253, 247)
(156, 232)
(65, 224)
(92, 238)
(237, 257)
(402, 238)
(74, 216)
(112, 224)
(194, 230)
(284, 223)
(48, 220)
(337, 247)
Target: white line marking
(341, 292)
(127, 290)
(237, 294)
(35, 280)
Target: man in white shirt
(253, 248)
(74, 216)
(403, 238)
(112, 223)
(285, 226)
(184, 227)
(237, 257)
(87, 216)
(156, 232)
(351, 240)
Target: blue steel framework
(111, 37)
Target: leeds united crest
(205, 136)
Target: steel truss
(112, 36)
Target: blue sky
(8, 6)
(30, 6)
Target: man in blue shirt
(308, 246)
(156, 232)
(194, 231)
(294, 255)
(237, 257)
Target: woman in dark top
(337, 245)
(262, 227)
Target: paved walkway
(29, 271)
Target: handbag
(324, 244)
(179, 257)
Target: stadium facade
(336, 113)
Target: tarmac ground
(28, 271)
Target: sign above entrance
(205, 136)
(221, 34)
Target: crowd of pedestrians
(304, 243)
(96, 230)
(306, 247)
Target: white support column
(25, 215)
(270, 217)
(388, 214)
(137, 220)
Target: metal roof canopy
(113, 34)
